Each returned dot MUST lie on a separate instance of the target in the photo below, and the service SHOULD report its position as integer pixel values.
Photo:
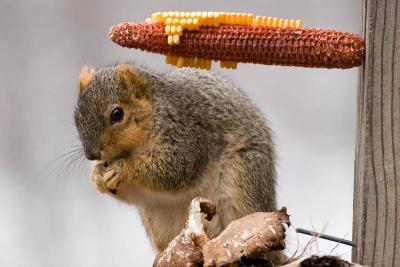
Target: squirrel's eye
(116, 115)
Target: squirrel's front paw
(106, 178)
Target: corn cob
(233, 37)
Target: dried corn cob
(232, 38)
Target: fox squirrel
(162, 139)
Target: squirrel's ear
(128, 76)
(85, 77)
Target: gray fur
(201, 120)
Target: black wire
(327, 237)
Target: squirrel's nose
(92, 154)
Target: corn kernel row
(176, 22)
(228, 64)
(193, 62)
(210, 18)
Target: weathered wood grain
(376, 225)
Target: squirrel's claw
(106, 179)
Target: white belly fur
(169, 210)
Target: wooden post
(376, 222)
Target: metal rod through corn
(233, 37)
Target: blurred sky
(52, 216)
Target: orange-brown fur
(85, 76)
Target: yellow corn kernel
(249, 20)
(177, 14)
(189, 24)
(167, 30)
(228, 18)
(200, 20)
(208, 64)
(149, 20)
(180, 62)
(189, 62)
(182, 22)
(215, 19)
(244, 19)
(198, 13)
(181, 14)
(176, 39)
(193, 15)
(239, 20)
(171, 14)
(173, 60)
(236, 18)
(195, 23)
(175, 21)
(299, 23)
(233, 18)
(204, 64)
(170, 41)
(209, 19)
(201, 63)
(257, 21)
(286, 23)
(225, 64)
(264, 21)
(157, 17)
(198, 63)
(204, 18)
(186, 61)
(168, 21)
(222, 17)
(179, 30)
(280, 23)
(292, 23)
(269, 21)
(173, 29)
(193, 62)
(275, 22)
(165, 15)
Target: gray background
(50, 213)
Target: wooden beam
(376, 219)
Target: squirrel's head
(113, 112)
